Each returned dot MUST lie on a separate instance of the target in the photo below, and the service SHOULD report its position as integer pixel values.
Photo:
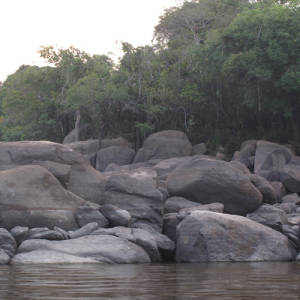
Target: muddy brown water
(224, 281)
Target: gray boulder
(138, 195)
(86, 214)
(87, 183)
(215, 207)
(97, 247)
(270, 216)
(199, 149)
(7, 242)
(279, 190)
(115, 154)
(87, 149)
(20, 233)
(175, 204)
(115, 215)
(170, 224)
(13, 154)
(290, 175)
(4, 257)
(246, 153)
(266, 189)
(163, 145)
(46, 234)
(208, 181)
(31, 196)
(85, 230)
(270, 158)
(207, 236)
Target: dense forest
(222, 71)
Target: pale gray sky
(94, 26)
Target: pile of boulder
(102, 202)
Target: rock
(240, 166)
(87, 148)
(246, 154)
(163, 145)
(215, 207)
(116, 216)
(220, 156)
(270, 216)
(85, 230)
(97, 247)
(19, 233)
(121, 232)
(4, 257)
(290, 175)
(199, 149)
(31, 196)
(169, 227)
(279, 190)
(13, 154)
(87, 183)
(266, 189)
(86, 214)
(120, 142)
(207, 236)
(175, 204)
(46, 234)
(163, 242)
(115, 154)
(289, 208)
(270, 158)
(208, 181)
(138, 195)
(53, 257)
(145, 240)
(291, 198)
(294, 220)
(60, 171)
(7, 242)
(64, 233)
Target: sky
(94, 26)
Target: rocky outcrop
(164, 145)
(31, 196)
(208, 236)
(207, 181)
(290, 175)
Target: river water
(220, 281)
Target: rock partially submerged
(91, 248)
(207, 236)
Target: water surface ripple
(224, 281)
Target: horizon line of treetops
(222, 71)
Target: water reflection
(170, 281)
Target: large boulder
(163, 145)
(115, 154)
(207, 181)
(247, 153)
(207, 236)
(31, 196)
(138, 195)
(265, 187)
(290, 175)
(14, 154)
(102, 248)
(87, 183)
(270, 158)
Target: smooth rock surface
(31, 196)
(208, 236)
(163, 145)
(208, 181)
(98, 247)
